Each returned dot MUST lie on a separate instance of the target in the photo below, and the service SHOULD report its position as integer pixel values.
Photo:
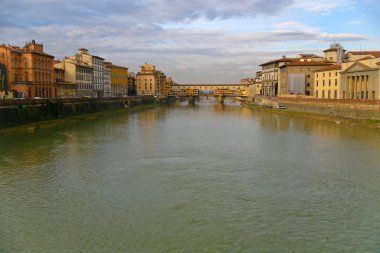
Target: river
(191, 178)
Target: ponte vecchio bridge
(232, 90)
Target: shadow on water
(279, 122)
(38, 146)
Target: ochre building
(150, 81)
(30, 71)
(327, 82)
(119, 80)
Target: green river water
(191, 178)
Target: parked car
(281, 107)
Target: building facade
(150, 81)
(98, 76)
(4, 89)
(79, 73)
(107, 82)
(360, 79)
(335, 53)
(168, 87)
(297, 77)
(327, 82)
(270, 76)
(119, 80)
(29, 70)
(65, 89)
(254, 88)
(132, 84)
(97, 65)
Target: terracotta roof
(310, 56)
(331, 50)
(332, 67)
(373, 53)
(108, 64)
(308, 63)
(98, 57)
(280, 60)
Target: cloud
(143, 12)
(355, 22)
(133, 32)
(324, 7)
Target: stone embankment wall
(356, 109)
(18, 112)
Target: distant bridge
(216, 89)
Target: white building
(107, 82)
(97, 63)
(98, 76)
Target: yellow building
(150, 81)
(119, 80)
(168, 87)
(327, 82)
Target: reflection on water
(208, 177)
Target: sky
(195, 41)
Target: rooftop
(309, 63)
(332, 67)
(284, 59)
(331, 50)
(373, 53)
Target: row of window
(326, 95)
(84, 86)
(329, 82)
(324, 74)
(38, 77)
(84, 77)
(66, 87)
(43, 92)
(97, 61)
(119, 77)
(84, 70)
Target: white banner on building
(296, 84)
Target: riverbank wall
(25, 111)
(354, 109)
